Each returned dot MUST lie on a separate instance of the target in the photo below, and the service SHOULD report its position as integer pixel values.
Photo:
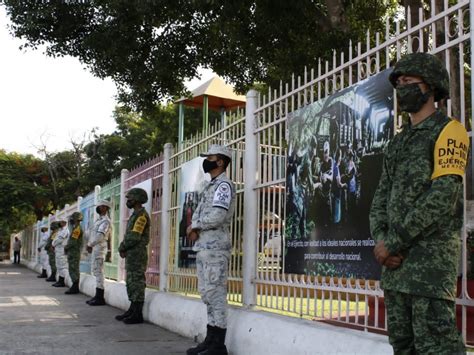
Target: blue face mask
(410, 98)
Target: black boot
(43, 275)
(74, 289)
(126, 314)
(60, 282)
(205, 344)
(52, 277)
(136, 316)
(217, 346)
(99, 299)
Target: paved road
(36, 318)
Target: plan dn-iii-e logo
(222, 196)
(451, 150)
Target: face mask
(208, 165)
(410, 98)
(130, 204)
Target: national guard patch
(76, 233)
(139, 225)
(222, 196)
(451, 150)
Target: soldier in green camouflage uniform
(49, 249)
(417, 213)
(73, 251)
(134, 249)
(210, 229)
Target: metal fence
(259, 141)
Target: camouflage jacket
(101, 233)
(74, 243)
(44, 237)
(137, 234)
(214, 213)
(49, 243)
(61, 238)
(419, 215)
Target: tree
(138, 137)
(25, 193)
(149, 48)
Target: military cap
(216, 149)
(77, 216)
(137, 194)
(104, 203)
(426, 66)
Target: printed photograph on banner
(193, 179)
(335, 153)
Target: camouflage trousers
(52, 261)
(212, 271)
(135, 264)
(44, 259)
(98, 271)
(422, 325)
(61, 261)
(74, 260)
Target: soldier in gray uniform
(61, 258)
(97, 245)
(44, 236)
(210, 229)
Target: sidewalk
(36, 318)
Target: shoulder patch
(140, 224)
(222, 196)
(451, 150)
(76, 233)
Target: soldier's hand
(393, 261)
(189, 230)
(381, 253)
(123, 254)
(89, 249)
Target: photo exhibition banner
(335, 153)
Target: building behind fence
(258, 138)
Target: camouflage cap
(104, 203)
(426, 66)
(216, 149)
(137, 194)
(54, 225)
(77, 216)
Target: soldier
(134, 249)
(73, 252)
(97, 245)
(61, 259)
(417, 213)
(50, 250)
(44, 236)
(210, 229)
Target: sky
(48, 101)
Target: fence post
(249, 267)
(165, 206)
(122, 211)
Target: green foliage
(149, 48)
(24, 196)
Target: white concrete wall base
(249, 331)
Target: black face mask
(130, 203)
(208, 165)
(410, 97)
